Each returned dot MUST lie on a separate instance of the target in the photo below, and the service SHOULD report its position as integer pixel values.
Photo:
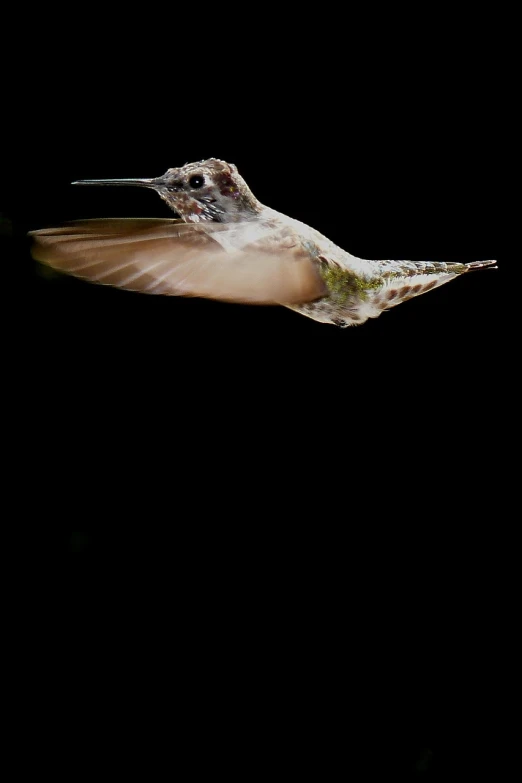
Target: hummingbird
(226, 245)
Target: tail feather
(481, 264)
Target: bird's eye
(197, 181)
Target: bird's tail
(481, 264)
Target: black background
(388, 136)
(394, 156)
(378, 651)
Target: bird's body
(226, 245)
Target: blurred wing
(238, 262)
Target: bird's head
(209, 190)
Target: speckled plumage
(227, 245)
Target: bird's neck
(224, 208)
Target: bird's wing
(238, 262)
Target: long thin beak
(142, 183)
